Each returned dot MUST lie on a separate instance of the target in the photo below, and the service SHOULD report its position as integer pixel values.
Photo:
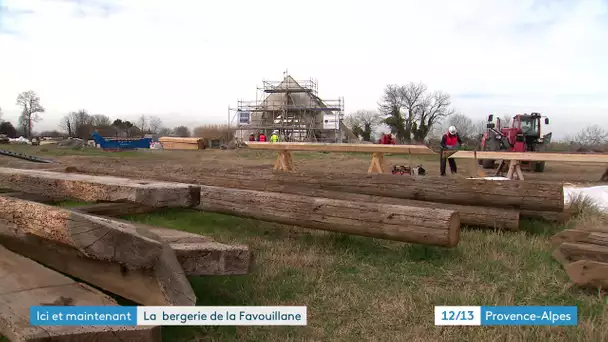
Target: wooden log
(528, 195)
(29, 197)
(588, 273)
(115, 209)
(429, 226)
(163, 284)
(198, 255)
(100, 188)
(497, 218)
(26, 283)
(577, 235)
(96, 237)
(568, 252)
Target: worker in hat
(450, 141)
(274, 137)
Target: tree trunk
(429, 226)
(98, 189)
(95, 237)
(26, 283)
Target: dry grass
(214, 132)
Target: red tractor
(524, 135)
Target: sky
(187, 61)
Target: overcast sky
(188, 60)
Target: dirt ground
(187, 165)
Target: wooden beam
(568, 252)
(429, 226)
(533, 156)
(26, 283)
(115, 209)
(198, 255)
(100, 188)
(162, 284)
(201, 256)
(95, 237)
(588, 273)
(576, 235)
(321, 147)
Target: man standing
(387, 139)
(274, 137)
(449, 141)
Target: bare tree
(181, 131)
(142, 123)
(506, 121)
(463, 124)
(30, 104)
(363, 122)
(411, 112)
(1, 115)
(432, 110)
(164, 131)
(155, 124)
(592, 136)
(100, 120)
(66, 125)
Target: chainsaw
(407, 170)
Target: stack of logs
(147, 265)
(583, 252)
(287, 197)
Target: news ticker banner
(281, 315)
(506, 315)
(167, 315)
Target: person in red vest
(262, 137)
(387, 139)
(449, 141)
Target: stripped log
(568, 252)
(588, 273)
(95, 237)
(429, 226)
(100, 188)
(498, 218)
(162, 284)
(198, 255)
(26, 283)
(115, 209)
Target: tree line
(415, 114)
(82, 124)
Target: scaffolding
(293, 109)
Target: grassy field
(359, 288)
(367, 289)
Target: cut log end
(453, 229)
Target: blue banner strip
(529, 315)
(83, 315)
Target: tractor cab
(526, 129)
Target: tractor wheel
(539, 166)
(487, 164)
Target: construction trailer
(293, 109)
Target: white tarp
(598, 194)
